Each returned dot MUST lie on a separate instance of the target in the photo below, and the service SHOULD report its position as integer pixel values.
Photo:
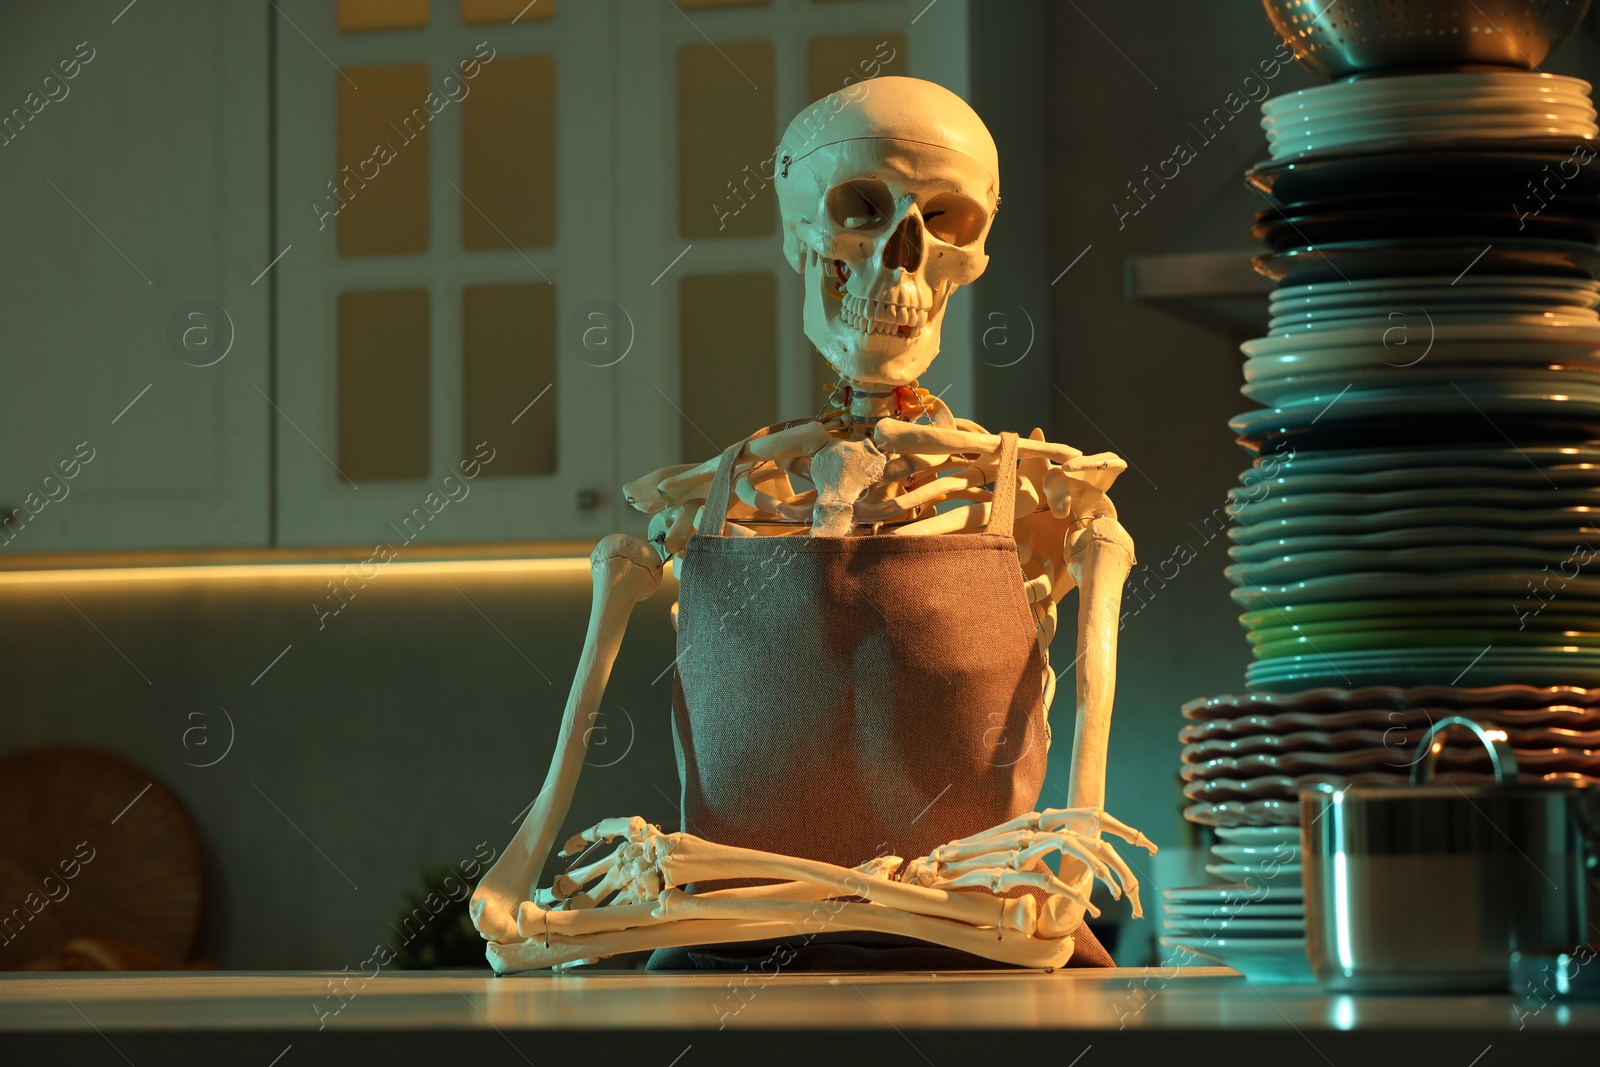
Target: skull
(887, 190)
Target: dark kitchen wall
(412, 726)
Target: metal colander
(1345, 38)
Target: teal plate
(1303, 566)
(1381, 334)
(1511, 585)
(1542, 519)
(1460, 357)
(1547, 375)
(1360, 460)
(1321, 505)
(1576, 402)
(1482, 537)
(1253, 490)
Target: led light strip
(259, 571)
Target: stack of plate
(1420, 510)
(1447, 109)
(1525, 209)
(1457, 564)
(1246, 758)
(1255, 921)
(1420, 526)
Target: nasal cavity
(904, 247)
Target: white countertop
(222, 1017)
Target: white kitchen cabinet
(204, 154)
(374, 416)
(133, 188)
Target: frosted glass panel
(383, 385)
(508, 155)
(508, 355)
(380, 195)
(725, 138)
(519, 11)
(356, 16)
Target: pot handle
(1501, 757)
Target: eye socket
(863, 205)
(954, 219)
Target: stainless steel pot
(1433, 886)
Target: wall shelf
(1217, 291)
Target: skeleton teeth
(872, 316)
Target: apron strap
(715, 512)
(1002, 508)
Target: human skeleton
(885, 213)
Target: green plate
(1299, 614)
(1358, 460)
(1564, 541)
(1413, 639)
(1513, 586)
(1517, 517)
(1456, 559)
(1493, 628)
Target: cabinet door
(710, 86)
(444, 189)
(133, 157)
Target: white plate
(1452, 354)
(1379, 335)
(1416, 323)
(1414, 326)
(1415, 317)
(1259, 835)
(1484, 136)
(1259, 911)
(1376, 302)
(1279, 961)
(1580, 294)
(1577, 130)
(1454, 299)
(1454, 84)
(1465, 284)
(1238, 872)
(1473, 85)
(1432, 114)
(1386, 92)
(1238, 894)
(1575, 379)
(1539, 122)
(1284, 851)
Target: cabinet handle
(589, 499)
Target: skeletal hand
(630, 874)
(1008, 855)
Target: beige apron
(840, 698)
